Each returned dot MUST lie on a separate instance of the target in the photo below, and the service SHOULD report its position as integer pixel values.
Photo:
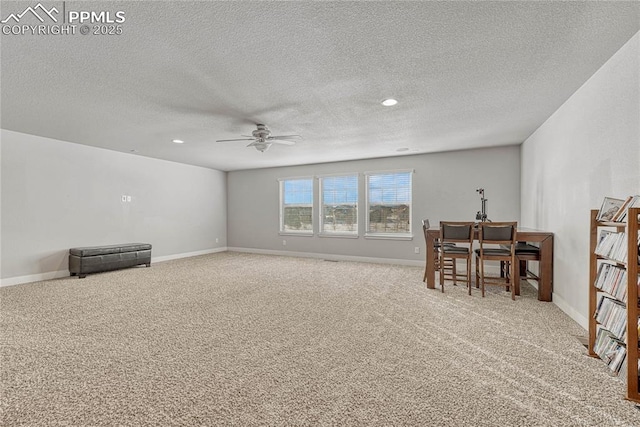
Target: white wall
(0, 209)
(444, 187)
(588, 149)
(58, 195)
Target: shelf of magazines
(613, 296)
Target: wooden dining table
(543, 239)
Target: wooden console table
(544, 238)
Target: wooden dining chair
(448, 265)
(525, 252)
(497, 242)
(454, 232)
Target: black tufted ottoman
(95, 259)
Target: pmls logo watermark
(58, 19)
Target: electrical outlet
(284, 243)
(217, 240)
(416, 250)
(124, 198)
(128, 198)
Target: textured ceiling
(466, 74)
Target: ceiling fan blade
(232, 140)
(281, 141)
(285, 137)
(262, 140)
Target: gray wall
(588, 149)
(443, 188)
(57, 195)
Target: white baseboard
(18, 280)
(187, 254)
(331, 257)
(566, 308)
(570, 311)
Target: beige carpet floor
(243, 340)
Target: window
(339, 205)
(296, 206)
(389, 204)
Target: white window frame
(388, 235)
(282, 231)
(344, 234)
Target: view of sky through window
(298, 191)
(391, 188)
(340, 190)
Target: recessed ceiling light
(390, 102)
(178, 141)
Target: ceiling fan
(261, 138)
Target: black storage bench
(95, 259)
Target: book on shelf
(610, 349)
(630, 202)
(612, 279)
(611, 314)
(610, 207)
(613, 245)
(615, 357)
(622, 210)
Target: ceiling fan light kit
(262, 138)
(262, 146)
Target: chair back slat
(425, 227)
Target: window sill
(293, 233)
(342, 236)
(389, 236)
